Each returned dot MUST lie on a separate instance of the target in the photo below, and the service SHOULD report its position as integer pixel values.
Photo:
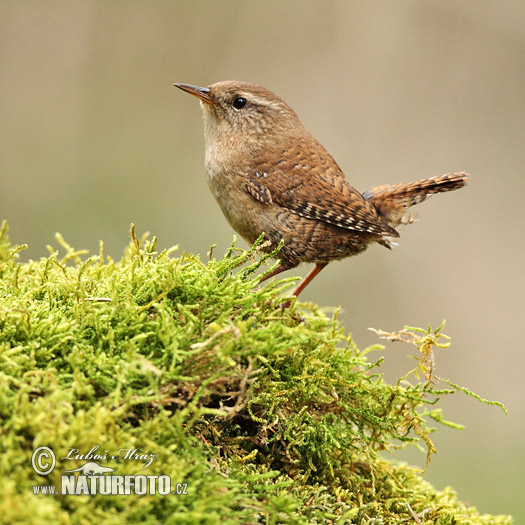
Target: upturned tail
(392, 202)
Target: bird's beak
(203, 93)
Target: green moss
(268, 415)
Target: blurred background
(93, 137)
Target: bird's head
(242, 108)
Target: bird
(270, 175)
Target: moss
(269, 415)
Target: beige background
(94, 137)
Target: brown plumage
(269, 175)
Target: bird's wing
(313, 186)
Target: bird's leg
(281, 268)
(315, 270)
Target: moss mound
(175, 367)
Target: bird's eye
(239, 102)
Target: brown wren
(269, 175)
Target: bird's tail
(392, 202)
